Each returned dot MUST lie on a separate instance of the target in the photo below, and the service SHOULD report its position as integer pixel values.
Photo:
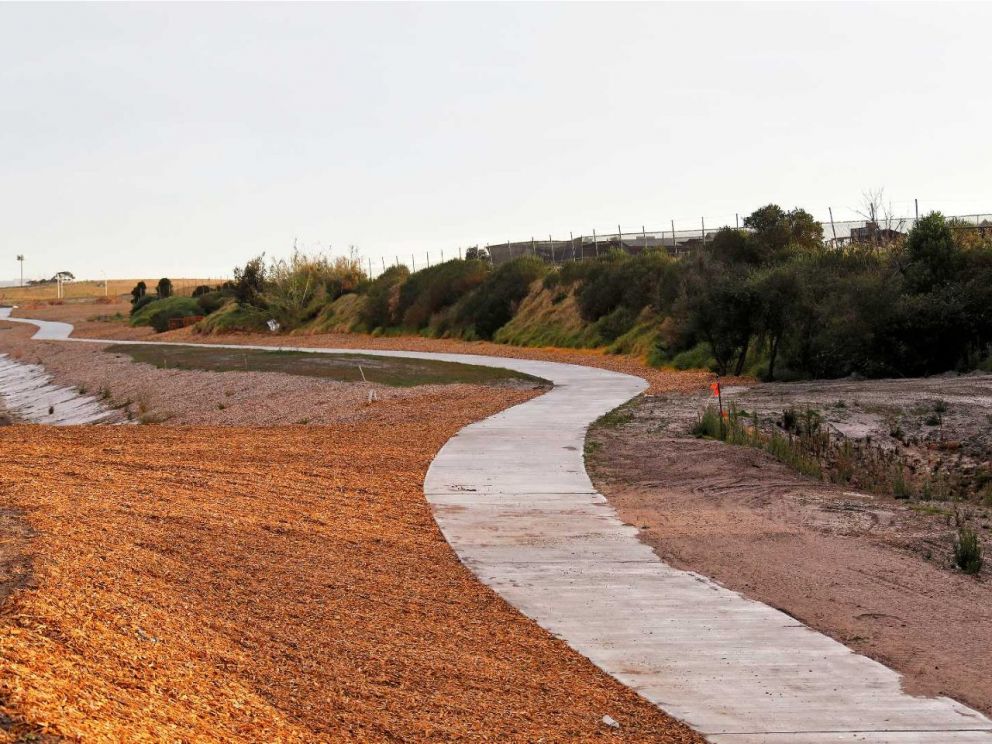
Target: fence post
(832, 228)
(644, 238)
(595, 242)
(702, 222)
(619, 238)
(533, 250)
(571, 242)
(552, 247)
(675, 248)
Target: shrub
(492, 304)
(210, 302)
(431, 290)
(201, 290)
(158, 313)
(234, 318)
(141, 302)
(968, 550)
(297, 289)
(164, 288)
(382, 299)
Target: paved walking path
(512, 497)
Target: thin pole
(571, 242)
(383, 264)
(832, 228)
(737, 220)
(552, 247)
(675, 249)
(460, 253)
(370, 267)
(413, 261)
(916, 206)
(619, 238)
(442, 255)
(428, 259)
(533, 250)
(595, 242)
(702, 221)
(644, 238)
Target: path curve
(512, 497)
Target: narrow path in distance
(513, 499)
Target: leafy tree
(249, 282)
(138, 292)
(164, 288)
(933, 257)
(475, 253)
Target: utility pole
(832, 228)
(20, 257)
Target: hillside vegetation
(770, 299)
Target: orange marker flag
(715, 387)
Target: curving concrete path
(512, 497)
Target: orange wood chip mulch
(272, 584)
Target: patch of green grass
(617, 417)
(393, 371)
(968, 550)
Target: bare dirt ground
(273, 584)
(870, 571)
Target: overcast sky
(182, 139)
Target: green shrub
(164, 288)
(158, 313)
(234, 318)
(968, 550)
(492, 304)
(141, 302)
(431, 290)
(382, 299)
(211, 301)
(698, 357)
(296, 289)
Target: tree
(779, 233)
(933, 257)
(202, 290)
(164, 288)
(138, 292)
(64, 276)
(475, 252)
(249, 282)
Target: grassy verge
(393, 371)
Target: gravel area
(146, 394)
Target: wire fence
(680, 242)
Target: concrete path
(512, 497)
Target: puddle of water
(29, 394)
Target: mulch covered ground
(271, 584)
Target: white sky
(183, 139)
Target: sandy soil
(872, 572)
(273, 584)
(146, 394)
